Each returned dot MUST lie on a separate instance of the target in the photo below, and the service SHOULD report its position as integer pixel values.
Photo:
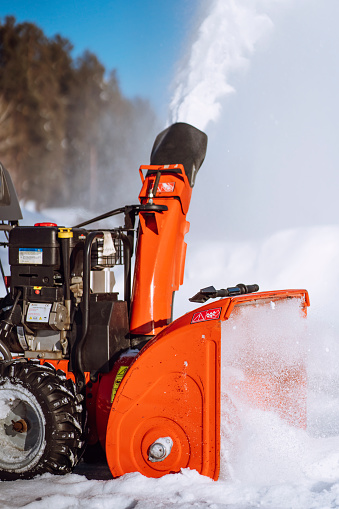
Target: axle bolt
(160, 449)
(20, 426)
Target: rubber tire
(53, 411)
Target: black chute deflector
(181, 144)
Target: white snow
(316, 487)
(226, 37)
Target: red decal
(163, 187)
(166, 187)
(207, 314)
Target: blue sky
(275, 141)
(142, 39)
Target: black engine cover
(107, 333)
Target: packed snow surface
(312, 483)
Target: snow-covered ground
(183, 491)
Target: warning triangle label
(207, 314)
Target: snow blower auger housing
(81, 366)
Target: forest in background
(68, 136)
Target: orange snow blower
(81, 367)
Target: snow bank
(182, 491)
(294, 258)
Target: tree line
(67, 133)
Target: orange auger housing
(173, 391)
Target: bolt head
(157, 451)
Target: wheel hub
(22, 429)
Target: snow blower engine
(52, 308)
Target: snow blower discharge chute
(83, 367)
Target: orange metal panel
(160, 253)
(173, 389)
(270, 296)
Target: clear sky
(142, 39)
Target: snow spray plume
(263, 396)
(279, 369)
(225, 39)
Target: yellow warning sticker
(119, 376)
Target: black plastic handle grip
(211, 293)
